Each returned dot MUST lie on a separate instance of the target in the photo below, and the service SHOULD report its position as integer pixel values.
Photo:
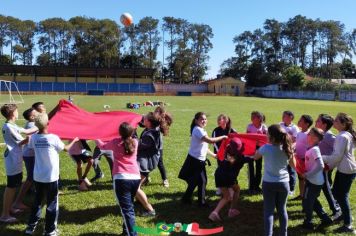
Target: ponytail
(196, 117)
(165, 120)
(126, 131)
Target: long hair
(165, 119)
(278, 136)
(346, 120)
(196, 117)
(228, 122)
(126, 131)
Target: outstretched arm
(68, 146)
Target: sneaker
(346, 229)
(97, 176)
(291, 193)
(8, 220)
(149, 213)
(337, 216)
(166, 183)
(214, 217)
(53, 233)
(233, 212)
(82, 186)
(30, 230)
(87, 182)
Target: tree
(25, 37)
(294, 76)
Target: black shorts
(14, 181)
(84, 157)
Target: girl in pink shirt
(126, 173)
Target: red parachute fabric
(70, 121)
(248, 140)
(300, 166)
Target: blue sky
(226, 17)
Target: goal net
(9, 93)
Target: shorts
(30, 165)
(14, 181)
(84, 157)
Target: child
(148, 153)
(45, 175)
(257, 127)
(225, 178)
(301, 147)
(277, 155)
(97, 154)
(344, 159)
(193, 170)
(224, 128)
(314, 180)
(161, 112)
(39, 107)
(13, 162)
(27, 152)
(81, 153)
(292, 130)
(326, 146)
(126, 173)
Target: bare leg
(226, 198)
(79, 170)
(235, 197)
(142, 198)
(9, 196)
(23, 190)
(87, 168)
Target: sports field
(96, 213)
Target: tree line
(89, 42)
(320, 48)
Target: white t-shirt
(13, 152)
(291, 129)
(311, 157)
(47, 147)
(198, 148)
(254, 130)
(301, 144)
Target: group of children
(312, 152)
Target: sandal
(233, 212)
(214, 216)
(8, 220)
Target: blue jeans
(311, 202)
(292, 178)
(125, 190)
(275, 196)
(333, 205)
(49, 190)
(341, 190)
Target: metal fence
(329, 96)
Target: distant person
(292, 130)
(256, 126)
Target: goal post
(9, 93)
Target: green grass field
(96, 213)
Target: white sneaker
(87, 182)
(291, 193)
(166, 183)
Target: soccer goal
(9, 93)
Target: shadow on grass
(86, 215)
(72, 185)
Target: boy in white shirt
(301, 146)
(45, 175)
(292, 130)
(314, 180)
(13, 162)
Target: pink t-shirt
(124, 165)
